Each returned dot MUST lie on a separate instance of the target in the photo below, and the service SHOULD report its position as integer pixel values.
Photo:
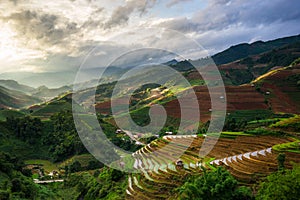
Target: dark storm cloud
(122, 13)
(46, 28)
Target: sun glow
(14, 53)
(8, 45)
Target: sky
(55, 36)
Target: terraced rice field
(238, 98)
(247, 158)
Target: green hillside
(15, 99)
(240, 51)
(45, 92)
(4, 113)
(14, 85)
(247, 69)
(258, 148)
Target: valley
(43, 157)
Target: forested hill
(240, 51)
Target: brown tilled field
(284, 95)
(238, 98)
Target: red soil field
(244, 97)
(282, 92)
(238, 98)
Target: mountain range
(260, 133)
(240, 64)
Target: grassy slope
(14, 85)
(15, 99)
(10, 113)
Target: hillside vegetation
(241, 51)
(255, 157)
(15, 99)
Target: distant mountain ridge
(15, 99)
(61, 78)
(247, 69)
(50, 79)
(239, 72)
(14, 85)
(40, 92)
(47, 93)
(243, 50)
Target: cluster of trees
(232, 124)
(219, 184)
(13, 182)
(26, 128)
(63, 139)
(283, 184)
(277, 58)
(77, 167)
(105, 184)
(265, 131)
(59, 135)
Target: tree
(107, 184)
(96, 173)
(281, 160)
(5, 165)
(94, 164)
(26, 128)
(116, 175)
(75, 167)
(283, 185)
(16, 185)
(4, 195)
(218, 184)
(63, 139)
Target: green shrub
(213, 185)
(264, 131)
(281, 185)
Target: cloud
(122, 13)
(95, 19)
(226, 22)
(182, 24)
(174, 2)
(56, 35)
(46, 28)
(221, 14)
(14, 1)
